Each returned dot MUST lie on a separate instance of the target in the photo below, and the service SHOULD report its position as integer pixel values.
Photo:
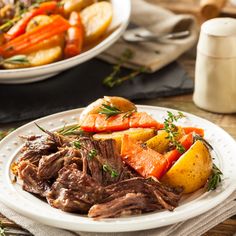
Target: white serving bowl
(121, 15)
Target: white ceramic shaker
(215, 72)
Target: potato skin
(122, 104)
(192, 170)
(137, 134)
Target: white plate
(121, 14)
(28, 205)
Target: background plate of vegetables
(175, 148)
(39, 38)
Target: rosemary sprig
(215, 178)
(91, 153)
(109, 169)
(198, 137)
(172, 129)
(113, 79)
(109, 110)
(72, 130)
(15, 60)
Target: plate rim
(87, 225)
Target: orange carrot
(20, 26)
(75, 35)
(198, 131)
(172, 156)
(143, 120)
(29, 39)
(144, 160)
(100, 123)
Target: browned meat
(106, 167)
(73, 156)
(129, 204)
(75, 191)
(94, 166)
(37, 146)
(31, 182)
(51, 164)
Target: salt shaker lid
(220, 27)
(218, 38)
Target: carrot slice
(88, 124)
(120, 122)
(144, 160)
(27, 40)
(198, 131)
(172, 156)
(20, 26)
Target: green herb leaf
(109, 110)
(92, 154)
(16, 60)
(77, 144)
(112, 172)
(215, 178)
(71, 130)
(172, 130)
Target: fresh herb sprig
(71, 130)
(114, 79)
(15, 60)
(215, 178)
(91, 153)
(172, 129)
(111, 171)
(110, 110)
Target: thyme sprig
(172, 129)
(114, 79)
(15, 60)
(91, 153)
(109, 169)
(215, 178)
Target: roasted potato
(122, 104)
(137, 134)
(75, 5)
(160, 142)
(192, 170)
(96, 18)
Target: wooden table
(185, 103)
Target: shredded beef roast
(31, 182)
(36, 146)
(75, 191)
(101, 184)
(51, 164)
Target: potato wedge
(96, 18)
(45, 56)
(160, 142)
(192, 170)
(137, 134)
(122, 104)
(37, 21)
